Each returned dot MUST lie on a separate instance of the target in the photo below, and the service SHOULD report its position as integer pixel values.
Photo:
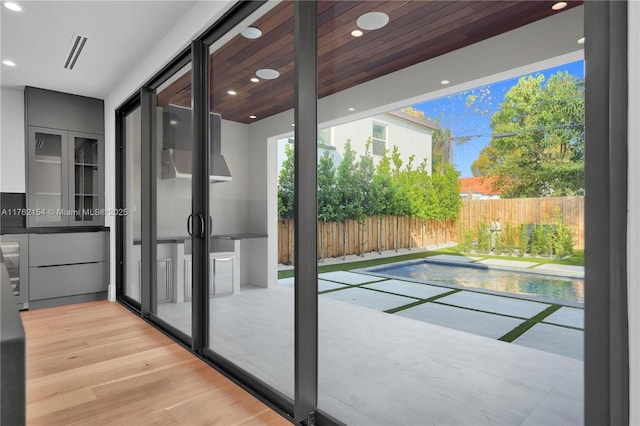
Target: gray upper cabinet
(57, 110)
(65, 151)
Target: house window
(379, 139)
(324, 137)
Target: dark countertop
(53, 229)
(240, 236)
(180, 240)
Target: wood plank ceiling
(417, 31)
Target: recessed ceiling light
(9, 63)
(12, 6)
(267, 74)
(253, 117)
(357, 33)
(581, 40)
(232, 92)
(251, 33)
(372, 20)
(351, 109)
(445, 82)
(173, 122)
(255, 80)
(293, 125)
(559, 5)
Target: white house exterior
(412, 136)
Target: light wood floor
(97, 363)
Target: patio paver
(506, 262)
(369, 299)
(480, 323)
(406, 288)
(554, 339)
(572, 317)
(322, 284)
(497, 304)
(346, 277)
(453, 258)
(571, 270)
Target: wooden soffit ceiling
(417, 31)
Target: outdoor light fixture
(559, 6)
(9, 63)
(372, 20)
(267, 74)
(357, 33)
(12, 6)
(251, 33)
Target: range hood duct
(176, 148)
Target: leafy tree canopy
(538, 139)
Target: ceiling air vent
(77, 43)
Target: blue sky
(474, 122)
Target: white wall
(410, 138)
(12, 141)
(633, 217)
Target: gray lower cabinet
(67, 268)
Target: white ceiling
(119, 34)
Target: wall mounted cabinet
(65, 151)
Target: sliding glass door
(172, 149)
(250, 80)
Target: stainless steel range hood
(176, 148)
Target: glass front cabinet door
(85, 179)
(65, 178)
(48, 177)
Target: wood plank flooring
(97, 363)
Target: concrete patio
(435, 362)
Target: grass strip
(420, 302)
(525, 326)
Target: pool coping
(368, 271)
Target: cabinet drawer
(63, 249)
(66, 280)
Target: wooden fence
(391, 232)
(374, 234)
(518, 211)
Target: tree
(350, 196)
(286, 182)
(538, 139)
(328, 195)
(441, 150)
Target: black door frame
(606, 375)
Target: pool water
(479, 276)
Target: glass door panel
(87, 179)
(15, 252)
(173, 147)
(251, 319)
(48, 177)
(415, 341)
(132, 204)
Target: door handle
(201, 217)
(210, 226)
(189, 227)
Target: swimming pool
(479, 276)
